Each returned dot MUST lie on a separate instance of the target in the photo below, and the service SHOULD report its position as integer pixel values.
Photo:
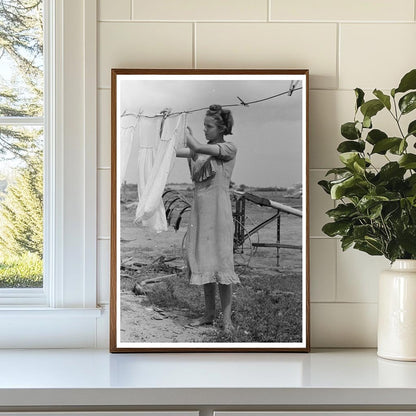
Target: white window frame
(64, 313)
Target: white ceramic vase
(397, 312)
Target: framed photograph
(209, 211)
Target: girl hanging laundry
(209, 244)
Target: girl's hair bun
(222, 116)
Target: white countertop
(96, 377)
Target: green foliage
(21, 90)
(376, 211)
(21, 95)
(21, 271)
(21, 212)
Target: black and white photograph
(209, 214)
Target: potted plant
(376, 209)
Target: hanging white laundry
(128, 126)
(149, 137)
(173, 133)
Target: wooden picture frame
(153, 307)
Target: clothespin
(242, 102)
(292, 87)
(165, 112)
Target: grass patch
(264, 309)
(24, 271)
(177, 293)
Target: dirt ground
(141, 250)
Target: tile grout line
(338, 63)
(336, 271)
(344, 303)
(269, 10)
(194, 63)
(306, 22)
(131, 9)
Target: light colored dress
(211, 229)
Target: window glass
(21, 143)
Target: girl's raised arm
(184, 152)
(197, 147)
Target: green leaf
(349, 131)
(408, 82)
(361, 231)
(325, 186)
(338, 171)
(411, 184)
(346, 242)
(385, 99)
(369, 201)
(402, 147)
(391, 170)
(342, 211)
(359, 165)
(393, 250)
(398, 149)
(375, 136)
(407, 239)
(375, 211)
(368, 248)
(349, 146)
(359, 94)
(336, 228)
(350, 187)
(367, 122)
(348, 158)
(408, 161)
(411, 130)
(393, 92)
(371, 108)
(408, 102)
(383, 145)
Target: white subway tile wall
(357, 275)
(323, 268)
(355, 10)
(338, 325)
(270, 45)
(114, 10)
(103, 271)
(104, 202)
(200, 10)
(345, 44)
(375, 55)
(142, 45)
(104, 128)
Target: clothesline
(165, 113)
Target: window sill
(323, 379)
(36, 312)
(40, 327)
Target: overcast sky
(268, 135)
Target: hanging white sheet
(149, 137)
(128, 126)
(151, 198)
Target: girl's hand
(189, 137)
(188, 134)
